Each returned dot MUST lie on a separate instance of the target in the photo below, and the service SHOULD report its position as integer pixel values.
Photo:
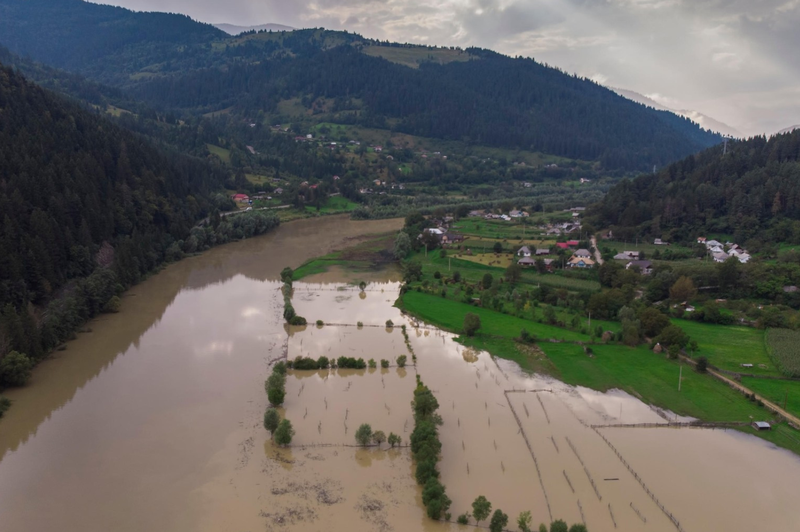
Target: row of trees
(425, 448)
(364, 435)
(482, 509)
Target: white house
(524, 251)
(720, 256)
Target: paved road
(597, 255)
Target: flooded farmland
(153, 421)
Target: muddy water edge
(130, 426)
(153, 420)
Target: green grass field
(474, 271)
(729, 346)
(450, 314)
(777, 391)
(222, 153)
(783, 346)
(334, 204)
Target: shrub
(401, 361)
(384, 363)
(271, 420)
(363, 434)
(284, 433)
(15, 369)
(287, 275)
(702, 364)
(371, 363)
(558, 526)
(394, 439)
(320, 323)
(437, 275)
(297, 320)
(389, 324)
(472, 322)
(279, 367)
(359, 324)
(463, 519)
(457, 276)
(323, 362)
(499, 521)
(288, 312)
(378, 437)
(5, 403)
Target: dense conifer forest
(748, 190)
(88, 209)
(483, 98)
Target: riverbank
(573, 358)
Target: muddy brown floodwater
(153, 420)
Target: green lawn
(653, 378)
(222, 153)
(729, 346)
(334, 204)
(777, 391)
(474, 272)
(449, 315)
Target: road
(597, 256)
(794, 420)
(204, 221)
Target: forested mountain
(750, 190)
(86, 209)
(474, 95)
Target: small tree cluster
(275, 385)
(351, 363)
(425, 448)
(301, 362)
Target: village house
(720, 256)
(583, 254)
(659, 242)
(524, 251)
(451, 238)
(240, 198)
(645, 266)
(628, 255)
(542, 251)
(580, 262)
(526, 262)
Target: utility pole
(680, 375)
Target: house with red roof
(241, 198)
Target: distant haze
(232, 29)
(735, 60)
(706, 122)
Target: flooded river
(152, 421)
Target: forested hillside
(475, 96)
(752, 191)
(87, 209)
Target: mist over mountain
(232, 29)
(704, 121)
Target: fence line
(533, 455)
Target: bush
(271, 420)
(472, 322)
(15, 369)
(499, 521)
(401, 361)
(457, 276)
(288, 312)
(378, 437)
(279, 367)
(320, 323)
(394, 439)
(371, 363)
(702, 364)
(297, 320)
(323, 362)
(359, 324)
(363, 434)
(558, 526)
(284, 433)
(463, 519)
(384, 363)
(389, 324)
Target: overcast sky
(737, 61)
